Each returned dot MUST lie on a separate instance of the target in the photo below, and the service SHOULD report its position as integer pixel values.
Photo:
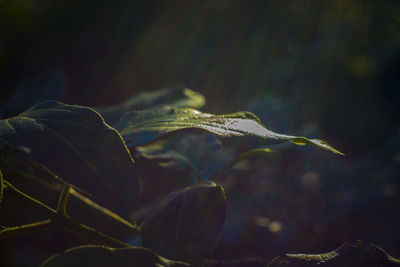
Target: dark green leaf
(360, 254)
(177, 97)
(104, 256)
(48, 85)
(75, 143)
(140, 127)
(200, 155)
(188, 224)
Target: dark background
(325, 69)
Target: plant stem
(104, 211)
(49, 210)
(62, 202)
(59, 217)
(23, 229)
(84, 230)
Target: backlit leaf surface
(177, 97)
(140, 127)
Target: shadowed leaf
(177, 97)
(188, 224)
(75, 143)
(359, 254)
(140, 127)
(200, 155)
(104, 256)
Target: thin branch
(60, 219)
(63, 200)
(104, 211)
(25, 196)
(84, 230)
(23, 229)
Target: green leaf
(177, 97)
(193, 156)
(140, 127)
(188, 224)
(104, 256)
(198, 155)
(75, 143)
(361, 254)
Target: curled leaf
(140, 127)
(188, 224)
(104, 256)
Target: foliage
(80, 148)
(69, 163)
(359, 254)
(138, 127)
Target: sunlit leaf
(104, 256)
(188, 224)
(140, 127)
(47, 85)
(75, 143)
(360, 254)
(177, 97)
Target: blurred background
(326, 69)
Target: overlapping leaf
(75, 143)
(177, 97)
(140, 127)
(104, 256)
(188, 224)
(360, 254)
(199, 155)
(195, 156)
